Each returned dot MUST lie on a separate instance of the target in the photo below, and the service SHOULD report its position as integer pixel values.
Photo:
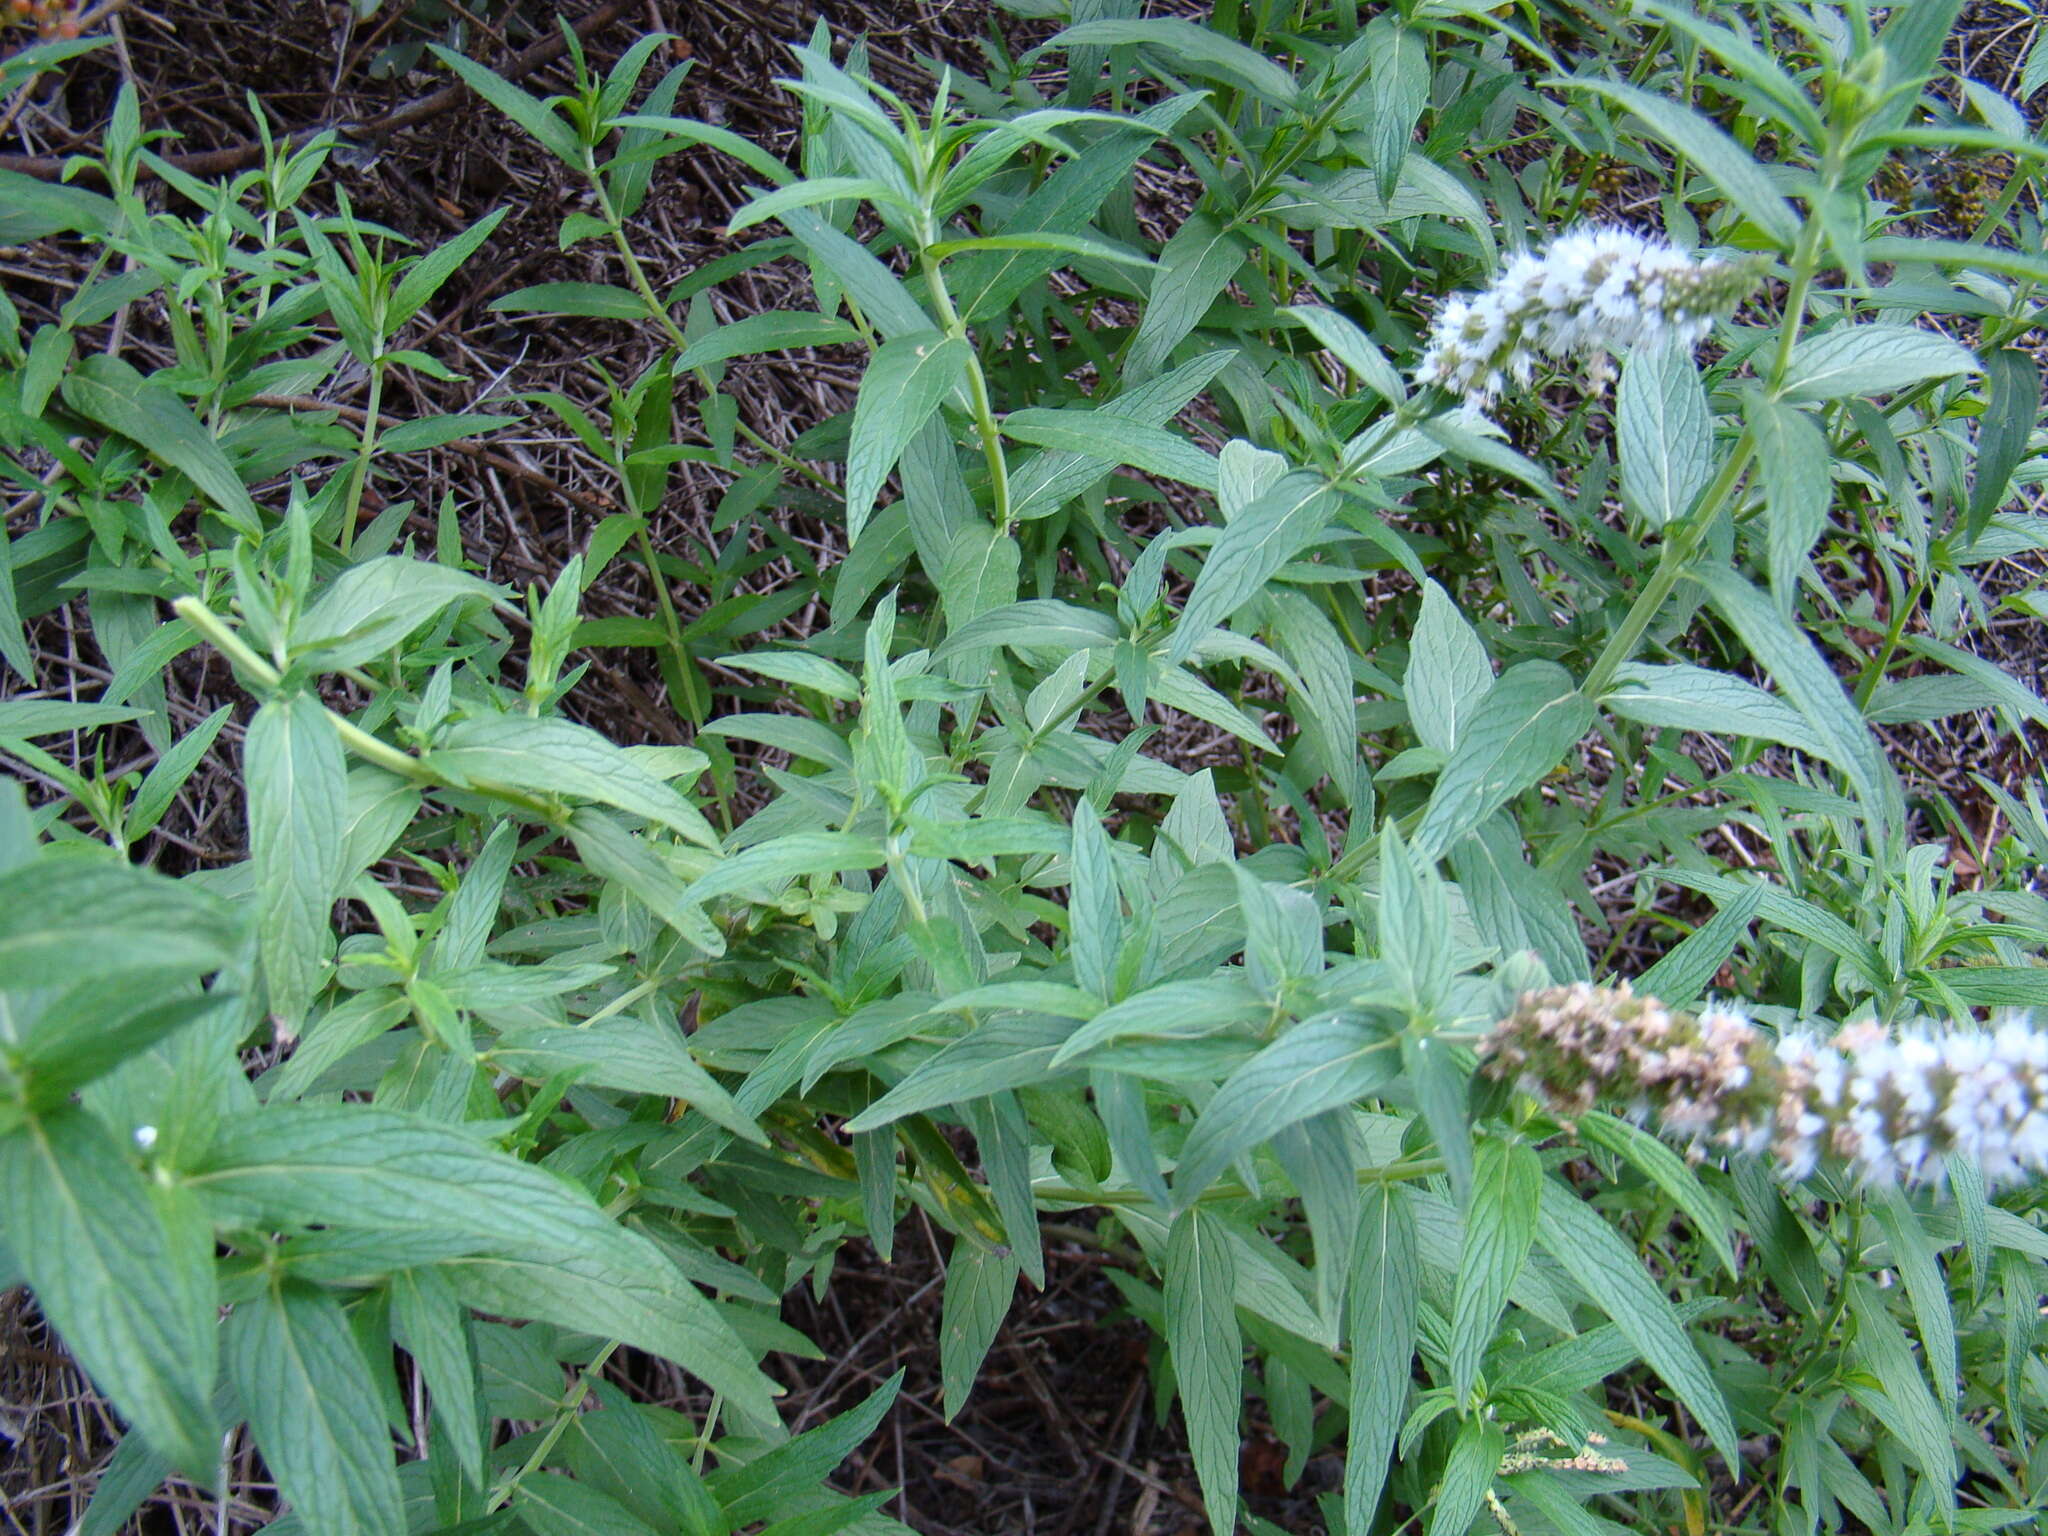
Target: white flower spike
(1893, 1107)
(1595, 290)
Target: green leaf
(630, 1054)
(1468, 1476)
(685, 130)
(31, 209)
(298, 800)
(1065, 203)
(125, 1279)
(1448, 671)
(1684, 971)
(1812, 685)
(556, 757)
(1967, 254)
(1170, 1009)
(1663, 430)
(1012, 1050)
(1198, 261)
(604, 843)
(1070, 245)
(369, 608)
(1906, 1407)
(1682, 697)
(1314, 1066)
(107, 390)
(777, 330)
(1258, 541)
(537, 117)
(1707, 1211)
(1203, 51)
(1919, 1266)
(1396, 92)
(159, 789)
(979, 1283)
(592, 301)
(130, 1477)
(1353, 348)
(881, 295)
(1793, 463)
(905, 381)
(551, 1504)
(1514, 906)
(1208, 1357)
(1386, 1292)
(1095, 910)
(423, 279)
(1872, 360)
(2004, 430)
(800, 669)
(1519, 731)
(88, 1030)
(755, 1489)
(808, 194)
(775, 863)
(1115, 440)
(521, 1241)
(1042, 482)
(1594, 1255)
(620, 1451)
(1500, 1224)
(1727, 165)
(24, 719)
(314, 1411)
(434, 1328)
(58, 916)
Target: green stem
(359, 477)
(1681, 542)
(1873, 671)
(977, 389)
(658, 312)
(563, 1414)
(359, 741)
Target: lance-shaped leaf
(125, 1278)
(1315, 1066)
(904, 384)
(1208, 1363)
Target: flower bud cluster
(1595, 290)
(1893, 1107)
(50, 18)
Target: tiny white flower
(145, 1137)
(1595, 290)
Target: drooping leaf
(1594, 1255)
(1500, 1224)
(126, 1279)
(1208, 1364)
(1386, 1292)
(314, 1411)
(905, 381)
(297, 783)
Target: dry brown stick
(219, 162)
(597, 505)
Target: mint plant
(1326, 1041)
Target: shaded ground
(1059, 1436)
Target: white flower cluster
(1894, 1108)
(1595, 290)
